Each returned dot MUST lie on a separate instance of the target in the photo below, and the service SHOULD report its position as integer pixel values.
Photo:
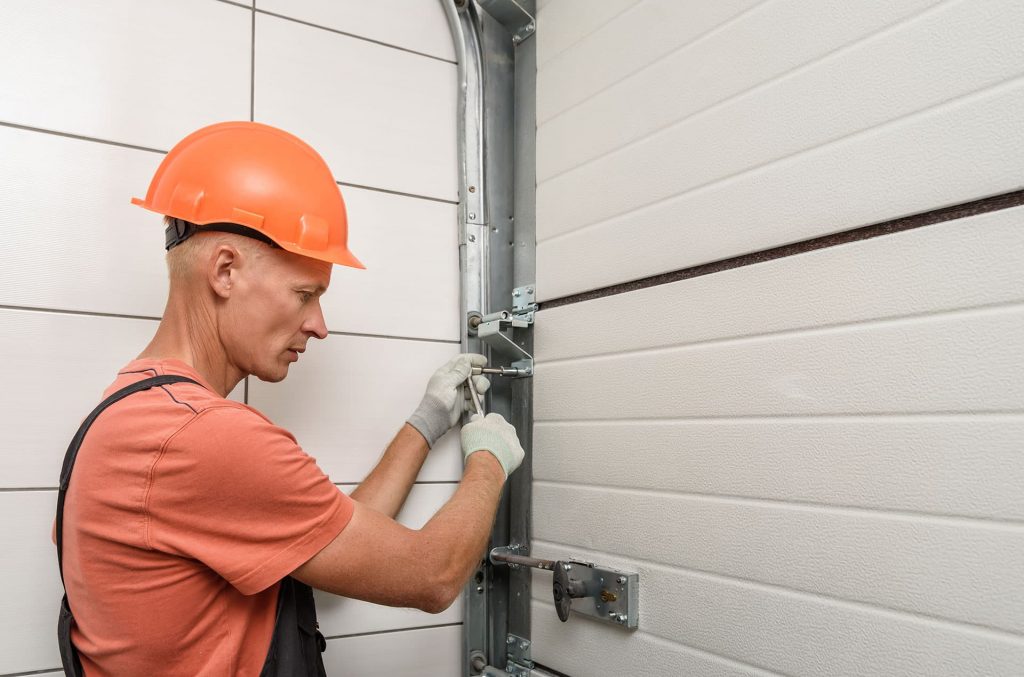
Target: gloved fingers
(461, 366)
(482, 383)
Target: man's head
(257, 304)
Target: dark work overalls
(296, 644)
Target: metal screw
(523, 646)
(516, 39)
(516, 293)
(531, 26)
(622, 618)
(622, 580)
(529, 290)
(510, 640)
(472, 215)
(567, 567)
(480, 588)
(472, 189)
(472, 238)
(611, 614)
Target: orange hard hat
(254, 179)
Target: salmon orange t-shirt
(184, 511)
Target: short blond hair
(183, 258)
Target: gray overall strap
(76, 443)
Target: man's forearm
(460, 530)
(387, 486)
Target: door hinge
(496, 330)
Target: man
(191, 517)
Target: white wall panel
(652, 29)
(958, 264)
(945, 155)
(347, 396)
(72, 239)
(838, 96)
(390, 126)
(411, 283)
(414, 653)
(31, 582)
(833, 552)
(727, 63)
(139, 72)
(775, 629)
(569, 21)
(58, 366)
(344, 616)
(411, 24)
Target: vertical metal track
(496, 253)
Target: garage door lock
(600, 592)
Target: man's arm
(387, 486)
(378, 560)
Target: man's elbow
(444, 589)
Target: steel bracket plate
(494, 329)
(612, 596)
(513, 16)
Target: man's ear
(222, 273)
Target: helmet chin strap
(179, 230)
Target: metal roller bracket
(493, 328)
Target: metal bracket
(492, 329)
(510, 14)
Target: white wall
(813, 462)
(92, 94)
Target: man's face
(273, 311)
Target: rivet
(516, 293)
(529, 290)
(472, 216)
(523, 645)
(472, 189)
(510, 640)
(480, 588)
(472, 238)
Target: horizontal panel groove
(695, 39)
(840, 602)
(44, 671)
(960, 100)
(236, 4)
(85, 313)
(756, 87)
(567, 47)
(966, 521)
(923, 219)
(398, 192)
(353, 35)
(393, 631)
(911, 318)
(395, 338)
(673, 644)
(79, 137)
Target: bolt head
(480, 588)
(472, 189)
(517, 293)
(472, 238)
(622, 618)
(472, 215)
(622, 580)
(523, 645)
(567, 567)
(510, 640)
(529, 290)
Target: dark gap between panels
(929, 218)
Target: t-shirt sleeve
(237, 493)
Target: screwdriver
(475, 395)
(499, 371)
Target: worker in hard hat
(190, 528)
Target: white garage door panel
(946, 155)
(746, 53)
(650, 30)
(945, 465)
(413, 653)
(967, 361)
(958, 264)
(72, 238)
(31, 587)
(411, 24)
(144, 73)
(343, 616)
(621, 653)
(391, 126)
(782, 630)
(411, 283)
(840, 95)
(347, 397)
(832, 552)
(568, 21)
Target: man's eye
(305, 296)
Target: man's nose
(315, 323)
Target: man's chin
(272, 376)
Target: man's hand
(495, 435)
(445, 400)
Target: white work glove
(494, 434)
(445, 399)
